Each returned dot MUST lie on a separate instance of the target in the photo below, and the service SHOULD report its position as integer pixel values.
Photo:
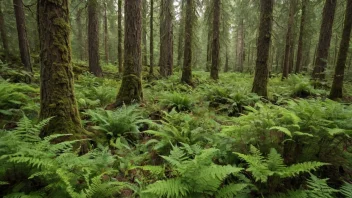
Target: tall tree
(214, 72)
(261, 70)
(240, 46)
(166, 38)
(144, 34)
(187, 57)
(151, 45)
(119, 35)
(301, 36)
(22, 35)
(131, 87)
(3, 33)
(181, 34)
(93, 38)
(289, 41)
(337, 85)
(324, 39)
(80, 33)
(106, 33)
(57, 97)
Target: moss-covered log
(57, 91)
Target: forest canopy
(176, 98)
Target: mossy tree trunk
(240, 46)
(106, 34)
(93, 38)
(3, 33)
(289, 40)
(301, 36)
(80, 34)
(187, 56)
(131, 87)
(265, 27)
(337, 85)
(22, 35)
(151, 45)
(144, 34)
(324, 40)
(166, 38)
(181, 34)
(119, 35)
(57, 97)
(215, 52)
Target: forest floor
(216, 139)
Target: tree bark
(3, 33)
(214, 72)
(57, 86)
(240, 46)
(119, 34)
(289, 39)
(324, 40)
(166, 38)
(226, 67)
(131, 87)
(106, 34)
(263, 46)
(151, 45)
(187, 56)
(144, 33)
(22, 35)
(337, 85)
(300, 40)
(181, 35)
(93, 38)
(80, 34)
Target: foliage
(123, 121)
(178, 101)
(196, 177)
(262, 168)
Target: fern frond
(346, 190)
(231, 190)
(319, 188)
(296, 169)
(171, 188)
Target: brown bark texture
(300, 39)
(337, 85)
(289, 39)
(151, 45)
(324, 40)
(263, 46)
(3, 33)
(215, 52)
(106, 34)
(166, 38)
(119, 35)
(131, 87)
(93, 38)
(187, 56)
(22, 35)
(57, 97)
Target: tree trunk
(57, 97)
(22, 35)
(80, 34)
(240, 46)
(264, 39)
(187, 57)
(324, 40)
(119, 34)
(226, 68)
(144, 34)
(4, 40)
(300, 40)
(181, 34)
(151, 71)
(214, 73)
(166, 38)
(93, 38)
(289, 39)
(131, 87)
(106, 34)
(208, 64)
(337, 85)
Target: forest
(176, 98)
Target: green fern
(346, 190)
(319, 188)
(262, 168)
